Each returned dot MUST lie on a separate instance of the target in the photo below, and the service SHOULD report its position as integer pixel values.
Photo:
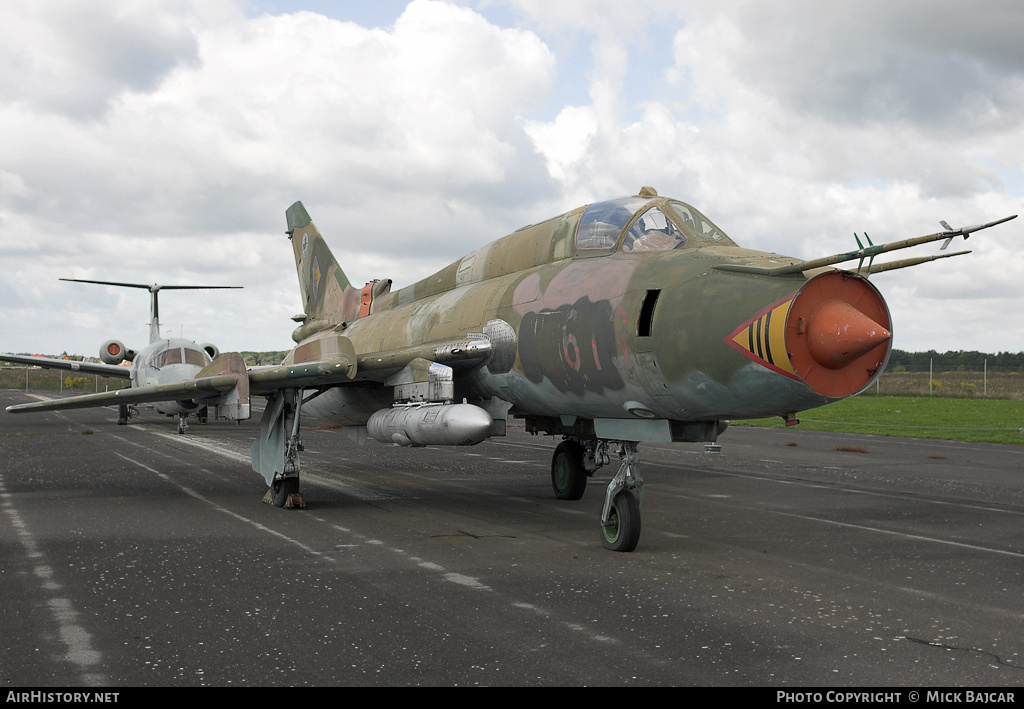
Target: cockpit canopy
(175, 353)
(636, 224)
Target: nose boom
(838, 333)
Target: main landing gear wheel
(622, 532)
(568, 476)
(281, 488)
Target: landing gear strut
(125, 412)
(287, 484)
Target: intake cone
(838, 333)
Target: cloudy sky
(162, 140)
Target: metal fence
(39, 379)
(951, 382)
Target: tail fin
(328, 297)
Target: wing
(321, 363)
(223, 382)
(333, 361)
(195, 389)
(104, 370)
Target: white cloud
(163, 141)
(792, 135)
(73, 58)
(169, 169)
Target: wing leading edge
(103, 370)
(223, 383)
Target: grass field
(979, 420)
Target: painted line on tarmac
(220, 508)
(74, 636)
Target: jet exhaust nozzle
(114, 352)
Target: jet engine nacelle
(211, 349)
(430, 425)
(114, 352)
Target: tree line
(963, 360)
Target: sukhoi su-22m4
(622, 322)
(626, 321)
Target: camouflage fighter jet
(626, 321)
(163, 363)
(622, 322)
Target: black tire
(568, 477)
(281, 488)
(623, 530)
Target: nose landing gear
(574, 461)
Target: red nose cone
(838, 333)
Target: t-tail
(154, 302)
(328, 297)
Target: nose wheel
(622, 530)
(574, 461)
(620, 516)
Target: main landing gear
(575, 460)
(284, 490)
(275, 454)
(125, 413)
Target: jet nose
(838, 333)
